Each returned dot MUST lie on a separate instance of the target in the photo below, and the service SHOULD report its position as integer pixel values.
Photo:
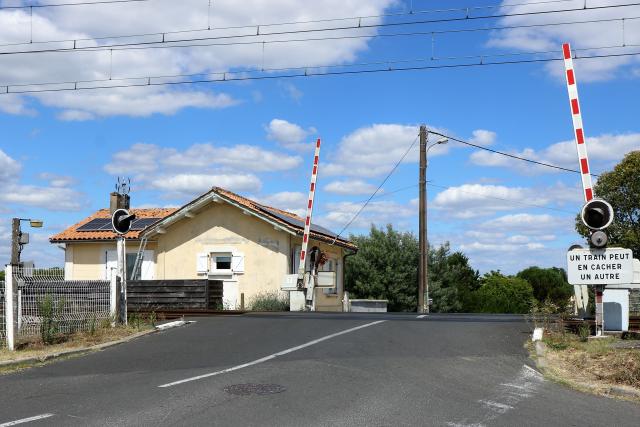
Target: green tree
(549, 284)
(451, 281)
(503, 294)
(621, 188)
(385, 267)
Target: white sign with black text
(611, 266)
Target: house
(220, 236)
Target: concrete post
(122, 273)
(114, 297)
(10, 307)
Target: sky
(253, 130)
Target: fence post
(11, 307)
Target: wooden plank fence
(173, 295)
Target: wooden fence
(174, 295)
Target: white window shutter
(203, 261)
(237, 263)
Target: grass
(591, 365)
(270, 301)
(98, 333)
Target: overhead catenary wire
(384, 181)
(256, 29)
(181, 44)
(294, 72)
(83, 3)
(513, 156)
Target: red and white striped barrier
(307, 223)
(581, 144)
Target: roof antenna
(123, 186)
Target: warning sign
(610, 266)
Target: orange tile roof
(255, 206)
(72, 233)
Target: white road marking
(501, 408)
(422, 316)
(271, 356)
(508, 396)
(172, 324)
(26, 420)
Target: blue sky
(62, 151)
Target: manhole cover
(249, 389)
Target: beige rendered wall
(86, 261)
(267, 252)
(218, 227)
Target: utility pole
(422, 233)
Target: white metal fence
(3, 328)
(72, 305)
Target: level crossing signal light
(597, 215)
(121, 221)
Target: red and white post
(580, 291)
(307, 223)
(576, 113)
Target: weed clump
(270, 301)
(50, 312)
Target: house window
(221, 262)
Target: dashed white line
(422, 316)
(26, 420)
(271, 356)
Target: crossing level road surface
(309, 369)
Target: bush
(549, 284)
(50, 311)
(270, 301)
(503, 294)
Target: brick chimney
(118, 201)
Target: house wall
(86, 260)
(220, 227)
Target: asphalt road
(310, 369)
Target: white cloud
(9, 167)
(184, 173)
(58, 196)
(291, 201)
(350, 187)
(145, 158)
(604, 152)
(378, 213)
(193, 184)
(475, 200)
(16, 105)
(290, 135)
(57, 180)
(109, 19)
(51, 198)
(293, 92)
(483, 137)
(529, 224)
(588, 35)
(373, 150)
